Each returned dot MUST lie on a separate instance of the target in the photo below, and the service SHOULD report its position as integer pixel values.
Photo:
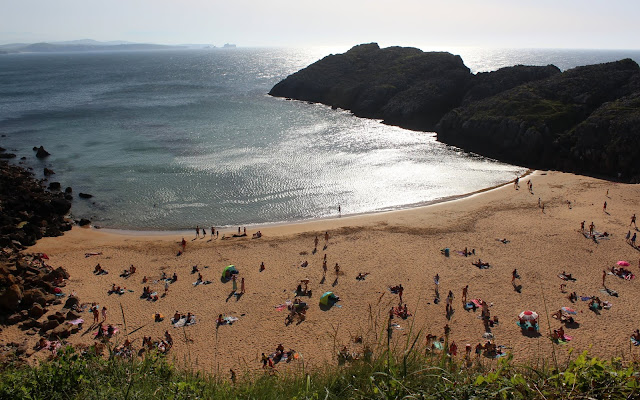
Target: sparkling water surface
(165, 140)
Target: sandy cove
(400, 247)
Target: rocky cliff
(582, 120)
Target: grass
(405, 370)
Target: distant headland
(83, 45)
(584, 120)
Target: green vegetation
(404, 374)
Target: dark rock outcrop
(42, 153)
(396, 84)
(582, 120)
(85, 195)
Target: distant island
(584, 120)
(94, 45)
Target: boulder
(71, 315)
(14, 318)
(36, 311)
(84, 222)
(50, 324)
(36, 295)
(85, 195)
(48, 172)
(61, 206)
(68, 190)
(42, 153)
(71, 302)
(30, 323)
(54, 186)
(61, 331)
(58, 316)
(11, 298)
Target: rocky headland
(584, 120)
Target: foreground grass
(411, 374)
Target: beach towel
(183, 322)
(470, 306)
(585, 298)
(606, 305)
(438, 345)
(76, 321)
(610, 292)
(477, 302)
(196, 283)
(105, 331)
(230, 320)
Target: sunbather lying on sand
(362, 275)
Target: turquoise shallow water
(167, 140)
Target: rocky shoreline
(584, 120)
(29, 287)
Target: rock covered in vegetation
(583, 120)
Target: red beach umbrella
(623, 263)
(528, 316)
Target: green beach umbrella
(228, 271)
(325, 298)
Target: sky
(597, 24)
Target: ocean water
(167, 140)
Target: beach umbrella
(623, 263)
(569, 310)
(528, 316)
(228, 271)
(326, 298)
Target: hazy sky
(420, 23)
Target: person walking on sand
(591, 228)
(582, 226)
(234, 283)
(242, 286)
(633, 221)
(604, 207)
(464, 294)
(324, 267)
(197, 231)
(628, 237)
(633, 239)
(604, 275)
(213, 231)
(204, 233)
(337, 267)
(184, 245)
(315, 242)
(436, 279)
(516, 183)
(104, 314)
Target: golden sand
(400, 247)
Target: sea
(167, 140)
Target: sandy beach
(399, 247)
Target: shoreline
(260, 226)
